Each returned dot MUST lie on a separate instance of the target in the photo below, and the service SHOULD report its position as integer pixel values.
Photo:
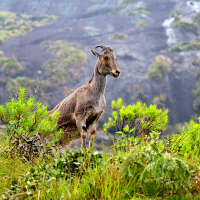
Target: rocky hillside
(156, 44)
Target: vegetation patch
(16, 24)
(197, 17)
(10, 66)
(159, 68)
(196, 62)
(141, 24)
(175, 13)
(119, 36)
(66, 29)
(69, 65)
(139, 94)
(138, 12)
(160, 100)
(26, 121)
(186, 46)
(187, 26)
(1, 53)
(147, 167)
(128, 1)
(32, 86)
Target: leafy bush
(141, 24)
(128, 1)
(70, 64)
(196, 95)
(139, 93)
(175, 13)
(135, 120)
(186, 46)
(15, 24)
(66, 29)
(160, 100)
(118, 36)
(197, 76)
(189, 140)
(187, 26)
(1, 53)
(139, 11)
(196, 62)
(10, 66)
(26, 121)
(197, 17)
(159, 174)
(157, 70)
(1, 41)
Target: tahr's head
(107, 59)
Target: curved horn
(102, 46)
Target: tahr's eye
(105, 58)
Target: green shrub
(157, 70)
(160, 100)
(189, 140)
(196, 62)
(196, 95)
(135, 120)
(197, 76)
(128, 1)
(139, 11)
(139, 93)
(1, 41)
(11, 66)
(1, 53)
(118, 36)
(26, 120)
(141, 24)
(32, 86)
(197, 17)
(187, 26)
(15, 24)
(69, 65)
(160, 175)
(66, 29)
(176, 14)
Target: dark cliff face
(93, 23)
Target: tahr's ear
(95, 52)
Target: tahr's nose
(118, 72)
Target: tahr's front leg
(81, 125)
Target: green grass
(145, 168)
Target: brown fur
(80, 111)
